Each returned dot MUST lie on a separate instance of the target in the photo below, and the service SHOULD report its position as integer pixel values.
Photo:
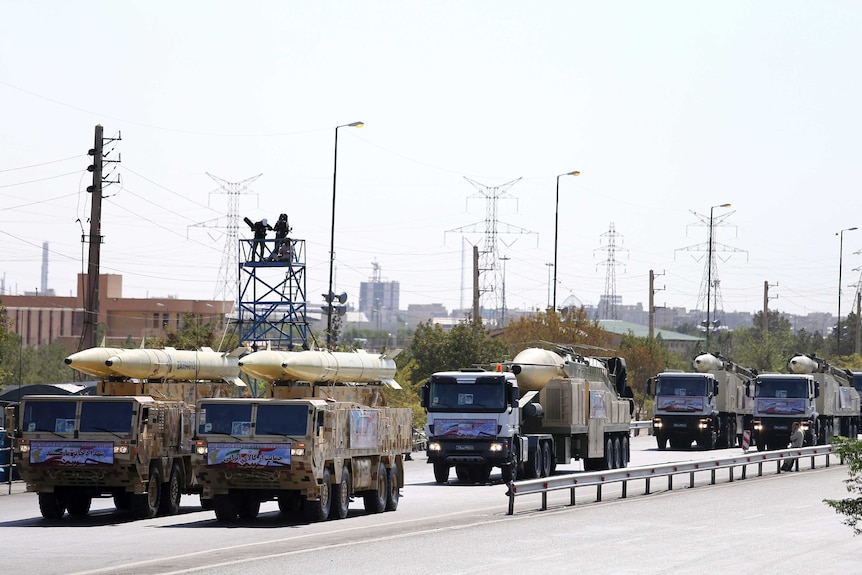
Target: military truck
(544, 408)
(819, 396)
(708, 406)
(132, 441)
(308, 445)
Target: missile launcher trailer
(321, 437)
(708, 406)
(819, 396)
(546, 409)
(131, 442)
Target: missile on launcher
(707, 362)
(322, 366)
(802, 364)
(183, 365)
(92, 361)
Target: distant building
(676, 342)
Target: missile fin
(391, 354)
(238, 352)
(391, 383)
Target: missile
(802, 364)
(707, 362)
(171, 363)
(322, 366)
(534, 367)
(92, 361)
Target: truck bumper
(494, 452)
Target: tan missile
(322, 366)
(182, 365)
(707, 362)
(92, 361)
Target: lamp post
(840, 265)
(709, 270)
(332, 234)
(557, 230)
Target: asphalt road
(760, 525)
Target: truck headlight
(25, 448)
(434, 446)
(703, 424)
(657, 423)
(758, 426)
(201, 449)
(123, 449)
(496, 447)
(297, 451)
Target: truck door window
(110, 416)
(281, 419)
(54, 416)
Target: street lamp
(840, 263)
(709, 269)
(557, 229)
(332, 233)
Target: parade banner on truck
(247, 455)
(679, 404)
(71, 453)
(465, 427)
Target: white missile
(707, 362)
(322, 366)
(182, 365)
(802, 364)
(92, 361)
(534, 367)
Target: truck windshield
(110, 416)
(280, 419)
(781, 387)
(225, 418)
(694, 386)
(857, 380)
(485, 393)
(54, 416)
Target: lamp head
(356, 125)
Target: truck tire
(662, 442)
(609, 454)
(533, 469)
(319, 510)
(393, 493)
(248, 506)
(146, 505)
(289, 503)
(123, 500)
(51, 505)
(509, 472)
(340, 495)
(441, 472)
(78, 504)
(206, 504)
(546, 459)
(624, 444)
(375, 501)
(479, 473)
(172, 491)
(618, 454)
(225, 507)
(463, 473)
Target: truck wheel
(78, 504)
(509, 472)
(123, 500)
(609, 454)
(147, 504)
(206, 504)
(662, 441)
(172, 492)
(248, 506)
(375, 501)
(546, 459)
(441, 472)
(393, 493)
(225, 507)
(462, 472)
(341, 496)
(624, 454)
(618, 454)
(289, 503)
(319, 510)
(480, 473)
(51, 505)
(533, 468)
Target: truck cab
(685, 409)
(779, 401)
(471, 423)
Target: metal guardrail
(647, 473)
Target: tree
(570, 327)
(466, 344)
(851, 451)
(408, 396)
(645, 358)
(9, 347)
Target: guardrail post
(730, 478)
(625, 486)
(572, 497)
(712, 474)
(511, 498)
(744, 468)
(545, 498)
(646, 491)
(760, 469)
(691, 480)
(670, 482)
(599, 492)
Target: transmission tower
(490, 272)
(710, 283)
(226, 286)
(608, 305)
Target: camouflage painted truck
(542, 409)
(131, 442)
(322, 436)
(816, 394)
(708, 406)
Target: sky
(668, 110)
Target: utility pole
(476, 316)
(652, 291)
(504, 259)
(91, 297)
(858, 323)
(764, 321)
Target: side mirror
(816, 389)
(748, 388)
(649, 386)
(715, 389)
(514, 395)
(423, 396)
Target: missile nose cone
(109, 363)
(68, 361)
